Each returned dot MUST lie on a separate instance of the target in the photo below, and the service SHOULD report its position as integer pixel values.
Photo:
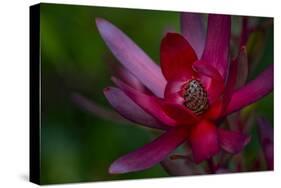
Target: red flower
(189, 96)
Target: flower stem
(211, 166)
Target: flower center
(195, 97)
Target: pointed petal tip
(99, 20)
(127, 108)
(150, 154)
(114, 80)
(103, 26)
(110, 171)
(99, 23)
(253, 91)
(116, 169)
(119, 167)
(132, 57)
(107, 89)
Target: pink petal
(132, 57)
(146, 102)
(130, 79)
(193, 30)
(176, 57)
(232, 142)
(206, 69)
(174, 113)
(180, 113)
(222, 171)
(252, 92)
(96, 109)
(266, 139)
(238, 74)
(181, 167)
(150, 154)
(130, 110)
(174, 91)
(217, 42)
(231, 81)
(204, 141)
(211, 79)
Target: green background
(80, 146)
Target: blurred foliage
(79, 146)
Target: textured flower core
(195, 97)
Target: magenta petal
(237, 76)
(150, 154)
(129, 109)
(266, 139)
(232, 142)
(130, 79)
(222, 171)
(96, 109)
(238, 72)
(181, 114)
(146, 102)
(193, 30)
(173, 91)
(211, 79)
(181, 167)
(204, 141)
(231, 81)
(203, 68)
(251, 92)
(132, 57)
(217, 42)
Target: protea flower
(187, 96)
